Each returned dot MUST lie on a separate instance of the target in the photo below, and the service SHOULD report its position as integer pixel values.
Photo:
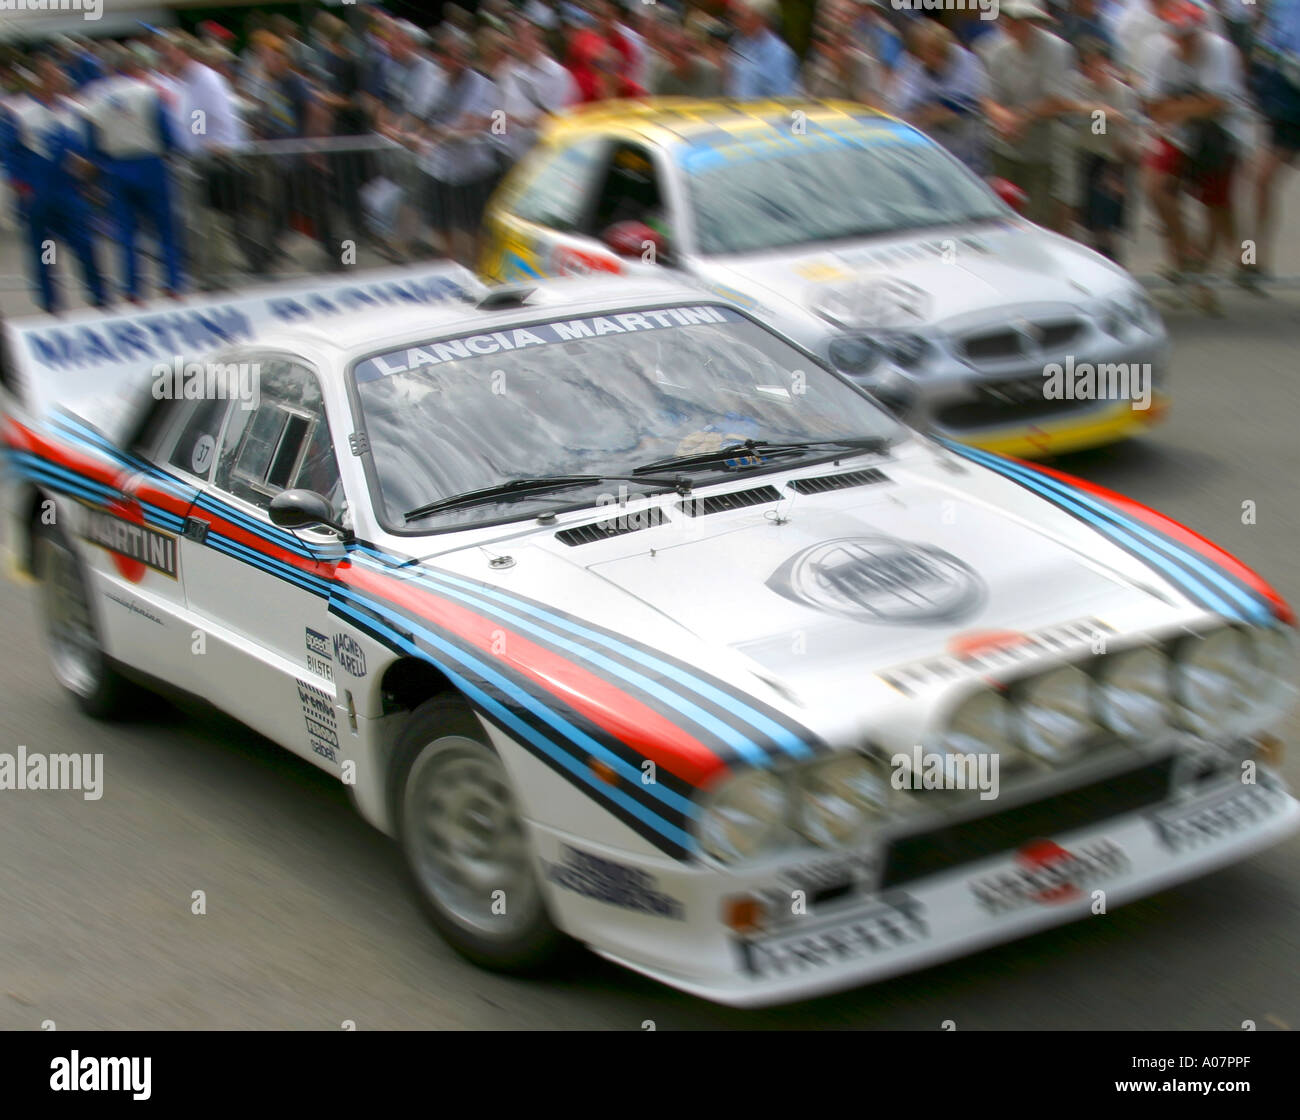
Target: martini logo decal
(135, 547)
(881, 579)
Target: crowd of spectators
(220, 145)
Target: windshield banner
(540, 334)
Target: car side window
(630, 192)
(195, 447)
(281, 444)
(557, 195)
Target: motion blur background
(308, 923)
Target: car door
(263, 591)
(540, 223)
(132, 539)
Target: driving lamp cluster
(1226, 683)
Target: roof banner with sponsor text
(96, 364)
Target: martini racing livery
(637, 625)
(853, 232)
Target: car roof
(563, 297)
(671, 121)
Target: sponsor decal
(831, 872)
(134, 545)
(539, 334)
(322, 724)
(568, 261)
(889, 923)
(881, 580)
(1047, 874)
(615, 883)
(350, 655)
(135, 607)
(1209, 819)
(319, 659)
(982, 651)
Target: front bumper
(855, 938)
(1002, 403)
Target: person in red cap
(1195, 100)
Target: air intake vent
(646, 518)
(737, 499)
(822, 483)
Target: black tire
(441, 736)
(98, 688)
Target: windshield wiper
(758, 450)
(522, 487)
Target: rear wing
(100, 366)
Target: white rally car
(636, 625)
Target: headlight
(1055, 713)
(841, 798)
(1272, 677)
(907, 350)
(745, 817)
(1129, 313)
(1212, 681)
(981, 725)
(1134, 699)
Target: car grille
(927, 853)
(821, 484)
(1030, 340)
(734, 499)
(646, 518)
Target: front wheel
(465, 843)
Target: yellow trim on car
(1036, 441)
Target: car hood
(928, 279)
(809, 598)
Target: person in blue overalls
(43, 152)
(129, 138)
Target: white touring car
(636, 625)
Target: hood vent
(646, 518)
(826, 482)
(721, 503)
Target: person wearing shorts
(1194, 98)
(1103, 145)
(1278, 87)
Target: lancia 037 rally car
(636, 624)
(847, 228)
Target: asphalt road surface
(309, 923)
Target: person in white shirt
(456, 150)
(1196, 102)
(207, 130)
(129, 137)
(533, 86)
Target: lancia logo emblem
(881, 580)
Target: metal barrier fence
(262, 210)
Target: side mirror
(1011, 194)
(299, 509)
(632, 239)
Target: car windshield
(873, 179)
(596, 396)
